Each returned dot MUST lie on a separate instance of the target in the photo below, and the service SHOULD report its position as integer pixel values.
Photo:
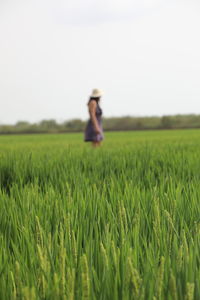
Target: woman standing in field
(94, 131)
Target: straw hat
(96, 93)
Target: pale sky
(144, 55)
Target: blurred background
(144, 55)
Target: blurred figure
(94, 131)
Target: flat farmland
(118, 222)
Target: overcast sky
(144, 55)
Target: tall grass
(120, 222)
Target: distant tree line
(109, 124)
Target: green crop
(118, 222)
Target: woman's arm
(92, 111)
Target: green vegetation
(118, 222)
(110, 124)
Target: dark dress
(90, 134)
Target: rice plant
(119, 222)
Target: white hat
(96, 93)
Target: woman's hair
(97, 99)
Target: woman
(94, 131)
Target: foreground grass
(120, 222)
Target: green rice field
(118, 222)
